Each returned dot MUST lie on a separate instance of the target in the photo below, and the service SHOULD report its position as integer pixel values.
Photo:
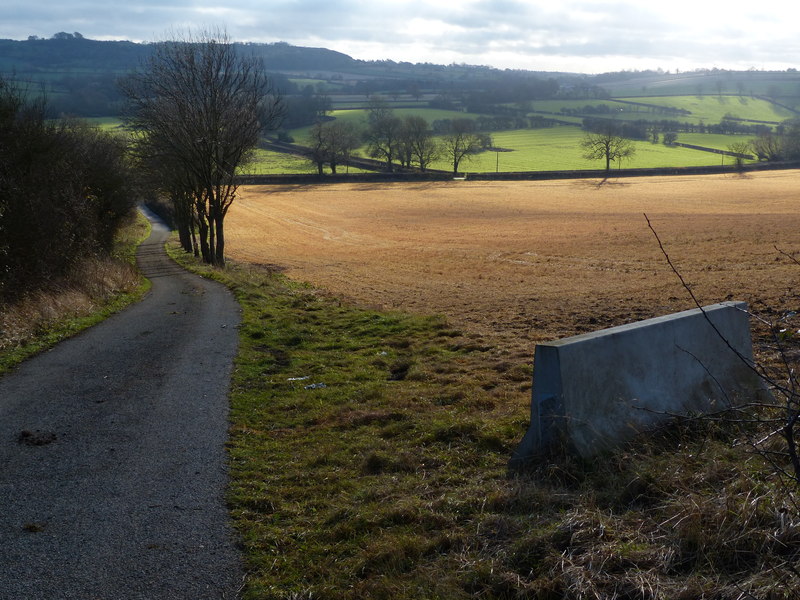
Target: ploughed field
(514, 263)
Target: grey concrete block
(597, 390)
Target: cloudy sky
(589, 36)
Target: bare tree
(461, 142)
(332, 143)
(384, 132)
(201, 107)
(607, 145)
(418, 142)
(768, 146)
(317, 149)
(741, 151)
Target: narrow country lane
(112, 462)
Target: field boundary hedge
(299, 179)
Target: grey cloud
(580, 28)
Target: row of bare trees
(197, 109)
(407, 142)
(782, 144)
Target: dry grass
(91, 286)
(94, 289)
(521, 262)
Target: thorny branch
(791, 404)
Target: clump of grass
(376, 486)
(94, 290)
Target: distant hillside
(280, 57)
(67, 54)
(79, 77)
(33, 57)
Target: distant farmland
(558, 147)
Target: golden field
(517, 263)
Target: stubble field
(515, 263)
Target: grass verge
(368, 456)
(96, 290)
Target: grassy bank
(369, 454)
(96, 289)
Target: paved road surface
(112, 466)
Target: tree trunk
(195, 246)
(204, 250)
(219, 255)
(184, 236)
(212, 240)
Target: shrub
(65, 189)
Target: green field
(555, 106)
(277, 163)
(763, 83)
(558, 148)
(267, 162)
(318, 84)
(105, 123)
(359, 117)
(550, 149)
(712, 109)
(712, 140)
(706, 109)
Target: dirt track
(520, 262)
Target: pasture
(559, 148)
(546, 149)
(713, 108)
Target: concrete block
(597, 390)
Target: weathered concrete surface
(594, 391)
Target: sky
(583, 36)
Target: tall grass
(93, 290)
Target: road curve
(112, 462)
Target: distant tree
(768, 146)
(201, 107)
(317, 151)
(384, 132)
(607, 146)
(418, 144)
(791, 143)
(670, 137)
(332, 143)
(461, 142)
(740, 151)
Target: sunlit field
(527, 261)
